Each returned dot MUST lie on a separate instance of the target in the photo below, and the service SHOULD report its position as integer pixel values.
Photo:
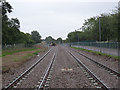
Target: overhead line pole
(100, 33)
(99, 30)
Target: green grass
(28, 56)
(11, 60)
(97, 53)
(15, 60)
(12, 51)
(23, 58)
(35, 53)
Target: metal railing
(98, 44)
(110, 48)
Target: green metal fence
(98, 44)
(111, 48)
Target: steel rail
(103, 66)
(91, 73)
(47, 72)
(28, 70)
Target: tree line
(50, 40)
(109, 25)
(11, 33)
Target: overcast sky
(57, 18)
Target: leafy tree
(36, 36)
(74, 36)
(10, 28)
(59, 40)
(49, 39)
(29, 39)
(90, 29)
(6, 7)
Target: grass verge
(16, 58)
(12, 51)
(97, 53)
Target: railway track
(90, 75)
(111, 71)
(44, 82)
(25, 74)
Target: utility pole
(78, 37)
(99, 29)
(100, 32)
(69, 41)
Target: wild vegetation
(109, 24)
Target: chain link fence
(16, 46)
(110, 48)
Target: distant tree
(74, 36)
(59, 40)
(110, 24)
(29, 39)
(49, 39)
(36, 36)
(65, 41)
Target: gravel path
(73, 78)
(12, 74)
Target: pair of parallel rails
(100, 82)
(43, 81)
